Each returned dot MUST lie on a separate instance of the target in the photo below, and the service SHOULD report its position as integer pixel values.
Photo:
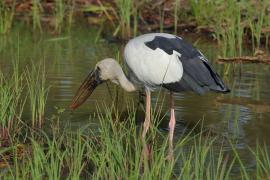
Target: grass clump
(11, 103)
(36, 15)
(62, 15)
(35, 78)
(114, 150)
(59, 15)
(125, 10)
(201, 10)
(6, 17)
(257, 20)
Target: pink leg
(147, 122)
(171, 126)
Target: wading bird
(155, 60)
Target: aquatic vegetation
(261, 153)
(124, 7)
(36, 15)
(126, 17)
(229, 31)
(257, 21)
(59, 15)
(204, 11)
(161, 17)
(11, 103)
(176, 14)
(115, 151)
(6, 17)
(38, 92)
(70, 14)
(112, 149)
(62, 14)
(202, 161)
(233, 23)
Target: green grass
(36, 15)
(11, 102)
(59, 15)
(204, 11)
(233, 22)
(176, 14)
(161, 17)
(114, 151)
(257, 21)
(6, 17)
(124, 9)
(261, 153)
(126, 16)
(70, 14)
(35, 78)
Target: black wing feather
(198, 74)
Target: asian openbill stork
(155, 60)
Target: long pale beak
(86, 89)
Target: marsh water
(243, 114)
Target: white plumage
(152, 67)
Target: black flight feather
(198, 75)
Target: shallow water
(243, 114)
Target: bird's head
(106, 69)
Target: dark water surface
(244, 114)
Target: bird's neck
(125, 83)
